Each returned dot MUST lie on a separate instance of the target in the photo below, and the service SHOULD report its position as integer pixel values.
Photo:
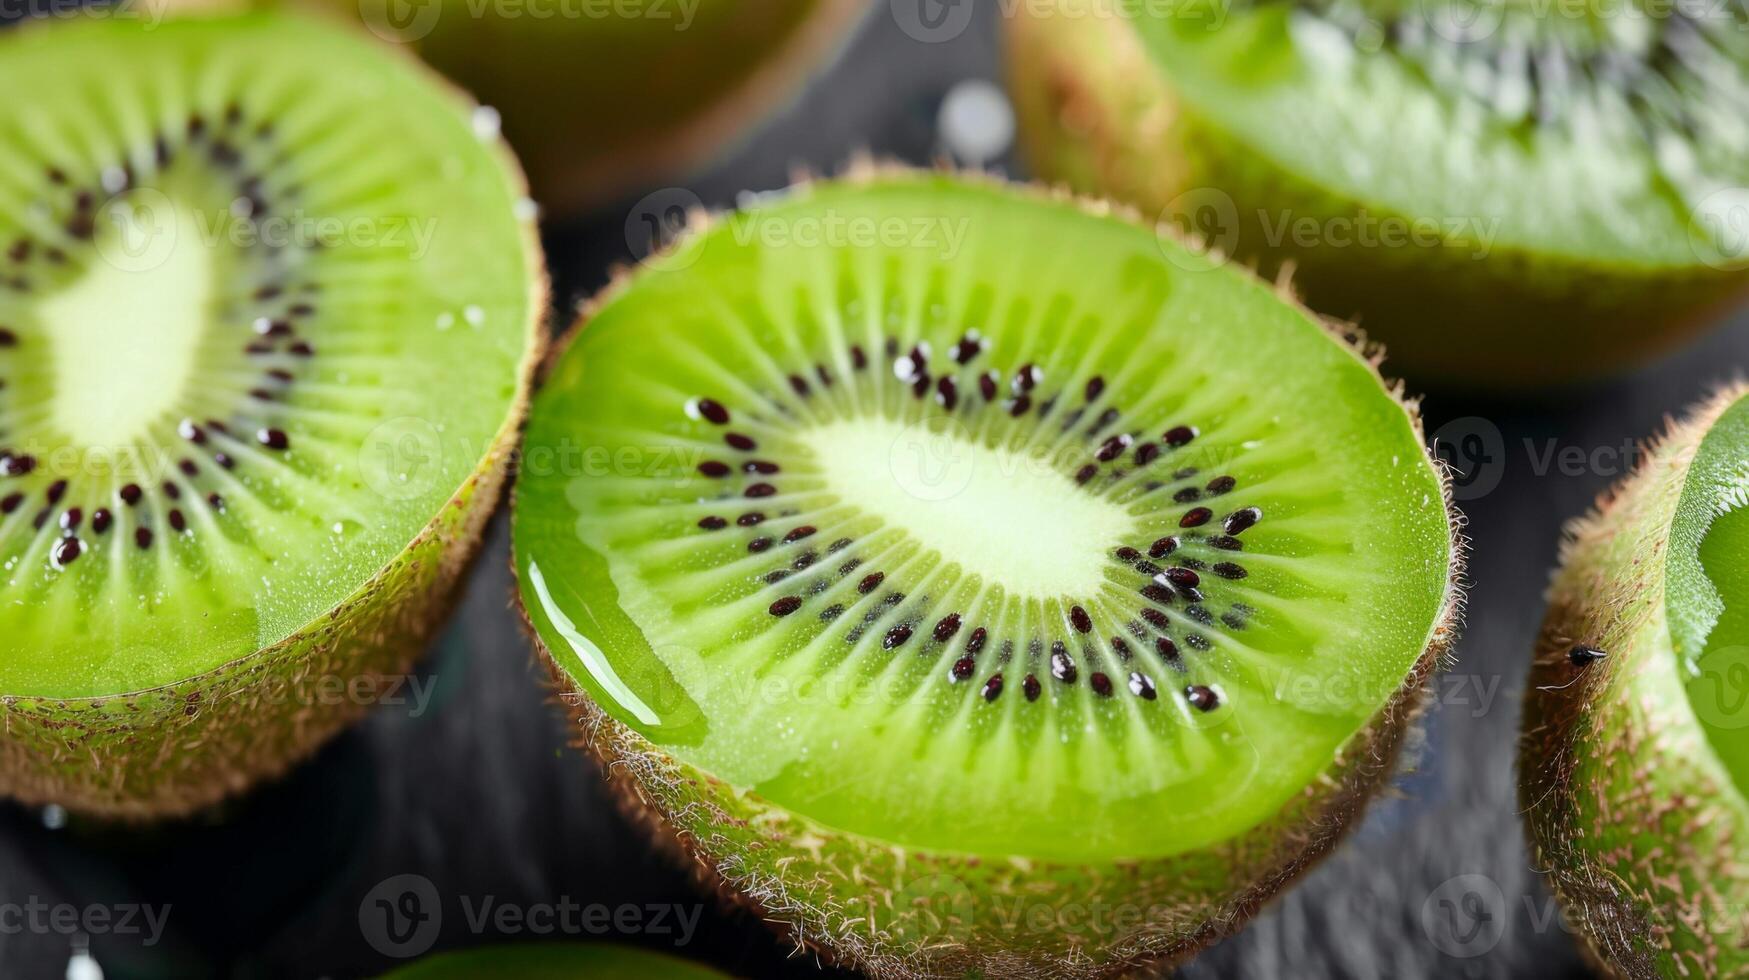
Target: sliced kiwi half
(267, 315)
(601, 98)
(554, 961)
(1634, 763)
(1506, 194)
(977, 580)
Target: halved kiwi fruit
(1634, 765)
(976, 580)
(267, 317)
(601, 98)
(554, 961)
(1505, 194)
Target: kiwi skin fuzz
(1098, 116)
(896, 913)
(1623, 795)
(170, 751)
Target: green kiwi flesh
(267, 312)
(600, 100)
(553, 961)
(917, 541)
(1633, 763)
(1551, 197)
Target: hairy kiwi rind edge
(170, 751)
(1638, 865)
(1097, 115)
(826, 890)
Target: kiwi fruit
(554, 961)
(269, 308)
(602, 99)
(1506, 195)
(975, 580)
(1633, 765)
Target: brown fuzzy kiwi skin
(1098, 116)
(1638, 827)
(896, 913)
(172, 750)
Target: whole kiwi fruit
(1633, 763)
(269, 308)
(1507, 195)
(976, 581)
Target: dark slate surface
(469, 785)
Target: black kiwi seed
(1584, 656)
(947, 393)
(962, 668)
(993, 687)
(1031, 687)
(71, 519)
(1142, 686)
(1221, 484)
(1157, 592)
(1163, 547)
(273, 439)
(1146, 453)
(131, 494)
(101, 519)
(178, 523)
(758, 544)
(18, 465)
(1155, 617)
(1182, 577)
(870, 582)
(1226, 543)
(1063, 668)
(1079, 619)
(738, 441)
(57, 490)
(1164, 646)
(172, 491)
(712, 523)
(1086, 473)
(1095, 385)
(760, 466)
(1127, 554)
(1195, 517)
(714, 469)
(1202, 697)
(799, 385)
(1188, 495)
(759, 490)
(750, 518)
(987, 388)
(786, 605)
(11, 502)
(1239, 520)
(143, 538)
(713, 411)
(798, 533)
(896, 637)
(947, 627)
(68, 550)
(1179, 435)
(1112, 448)
(975, 642)
(1229, 570)
(1119, 647)
(1101, 684)
(8, 338)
